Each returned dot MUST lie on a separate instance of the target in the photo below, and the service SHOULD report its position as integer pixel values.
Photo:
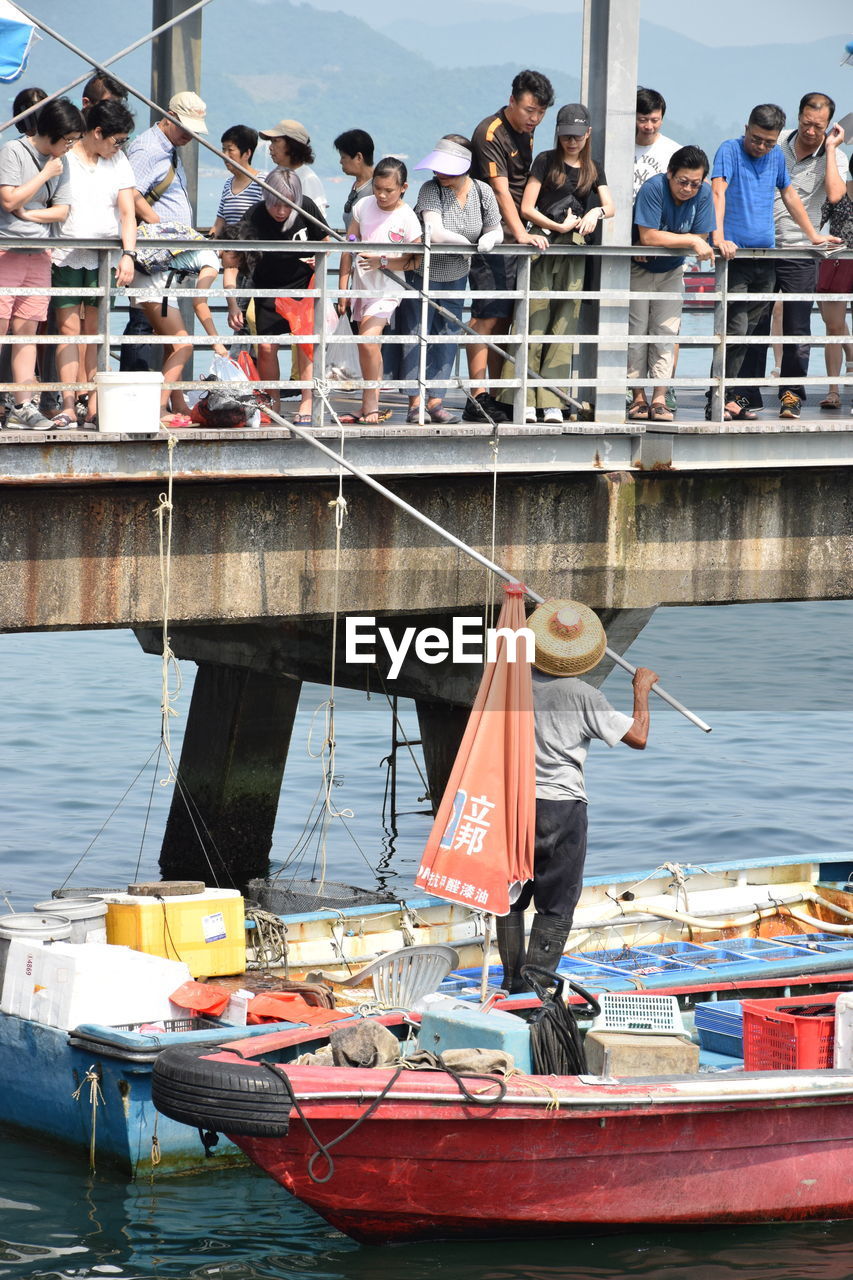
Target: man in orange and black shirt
(503, 153)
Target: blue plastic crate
(814, 942)
(719, 1025)
(692, 955)
(632, 960)
(721, 1042)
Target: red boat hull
(427, 1166)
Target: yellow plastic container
(205, 930)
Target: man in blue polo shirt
(747, 173)
(674, 210)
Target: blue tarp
(16, 36)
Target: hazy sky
(722, 22)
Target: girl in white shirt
(101, 206)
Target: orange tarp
(480, 849)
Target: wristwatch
(383, 261)
(128, 253)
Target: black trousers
(559, 854)
(793, 275)
(746, 275)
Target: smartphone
(846, 123)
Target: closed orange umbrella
(480, 848)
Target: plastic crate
(639, 1011)
(719, 1025)
(789, 1035)
(173, 1025)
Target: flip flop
(63, 421)
(171, 420)
(302, 419)
(831, 402)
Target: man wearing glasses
(673, 210)
(817, 169)
(746, 176)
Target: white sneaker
(530, 414)
(553, 414)
(26, 418)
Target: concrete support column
(441, 727)
(611, 34)
(176, 65)
(232, 762)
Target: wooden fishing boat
(668, 904)
(394, 1155)
(700, 933)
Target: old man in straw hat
(568, 712)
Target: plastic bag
(342, 356)
(222, 369)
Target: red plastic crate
(780, 1035)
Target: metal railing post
(320, 304)
(104, 284)
(424, 326)
(718, 359)
(522, 357)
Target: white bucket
(129, 402)
(87, 916)
(36, 928)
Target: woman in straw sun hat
(568, 714)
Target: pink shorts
(24, 270)
(835, 276)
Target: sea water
(81, 727)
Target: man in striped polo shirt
(503, 152)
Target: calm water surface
(81, 717)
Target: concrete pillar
(176, 65)
(232, 762)
(442, 728)
(622, 627)
(609, 88)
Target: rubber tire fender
(240, 1098)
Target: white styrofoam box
(66, 984)
(843, 1051)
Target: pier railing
(599, 368)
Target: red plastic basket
(780, 1035)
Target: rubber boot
(548, 936)
(509, 931)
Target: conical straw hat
(569, 638)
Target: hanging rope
(169, 664)
(95, 1097)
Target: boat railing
(598, 380)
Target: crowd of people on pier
(75, 173)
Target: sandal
(830, 402)
(639, 411)
(659, 413)
(63, 421)
(373, 418)
(742, 413)
(90, 424)
(301, 419)
(727, 417)
(171, 420)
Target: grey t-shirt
(568, 714)
(808, 178)
(19, 162)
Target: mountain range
(419, 77)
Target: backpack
(154, 257)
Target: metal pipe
(100, 65)
(369, 480)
